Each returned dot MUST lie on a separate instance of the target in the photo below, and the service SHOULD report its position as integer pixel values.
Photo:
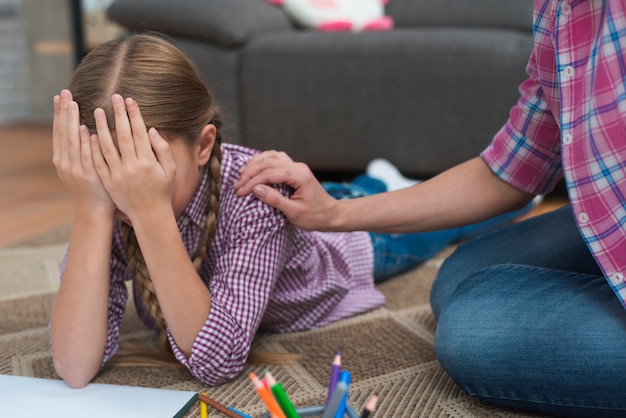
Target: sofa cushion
(225, 22)
(423, 98)
(515, 14)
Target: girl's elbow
(76, 383)
(74, 377)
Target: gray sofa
(427, 95)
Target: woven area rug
(389, 351)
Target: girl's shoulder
(235, 156)
(239, 151)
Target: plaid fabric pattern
(570, 121)
(262, 272)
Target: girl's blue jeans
(397, 253)
(526, 319)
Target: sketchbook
(30, 397)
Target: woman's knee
(460, 345)
(461, 264)
(485, 320)
(511, 331)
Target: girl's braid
(143, 282)
(213, 207)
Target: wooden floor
(33, 199)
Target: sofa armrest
(515, 14)
(224, 22)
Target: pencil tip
(371, 403)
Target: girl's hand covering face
(139, 173)
(72, 157)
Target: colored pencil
(281, 396)
(352, 412)
(335, 369)
(241, 414)
(370, 406)
(204, 413)
(344, 377)
(215, 404)
(335, 400)
(307, 411)
(267, 397)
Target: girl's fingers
(72, 134)
(99, 162)
(105, 143)
(85, 148)
(123, 129)
(140, 133)
(56, 103)
(59, 126)
(162, 151)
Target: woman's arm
(464, 194)
(78, 323)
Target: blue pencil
(344, 377)
(238, 412)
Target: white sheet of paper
(33, 397)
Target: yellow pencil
(204, 411)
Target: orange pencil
(271, 404)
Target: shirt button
(566, 9)
(617, 278)
(185, 221)
(568, 71)
(567, 139)
(583, 218)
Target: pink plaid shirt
(569, 121)
(262, 272)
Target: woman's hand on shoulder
(72, 157)
(310, 207)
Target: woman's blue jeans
(526, 319)
(397, 253)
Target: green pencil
(281, 396)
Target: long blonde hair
(174, 100)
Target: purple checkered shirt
(577, 71)
(263, 274)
